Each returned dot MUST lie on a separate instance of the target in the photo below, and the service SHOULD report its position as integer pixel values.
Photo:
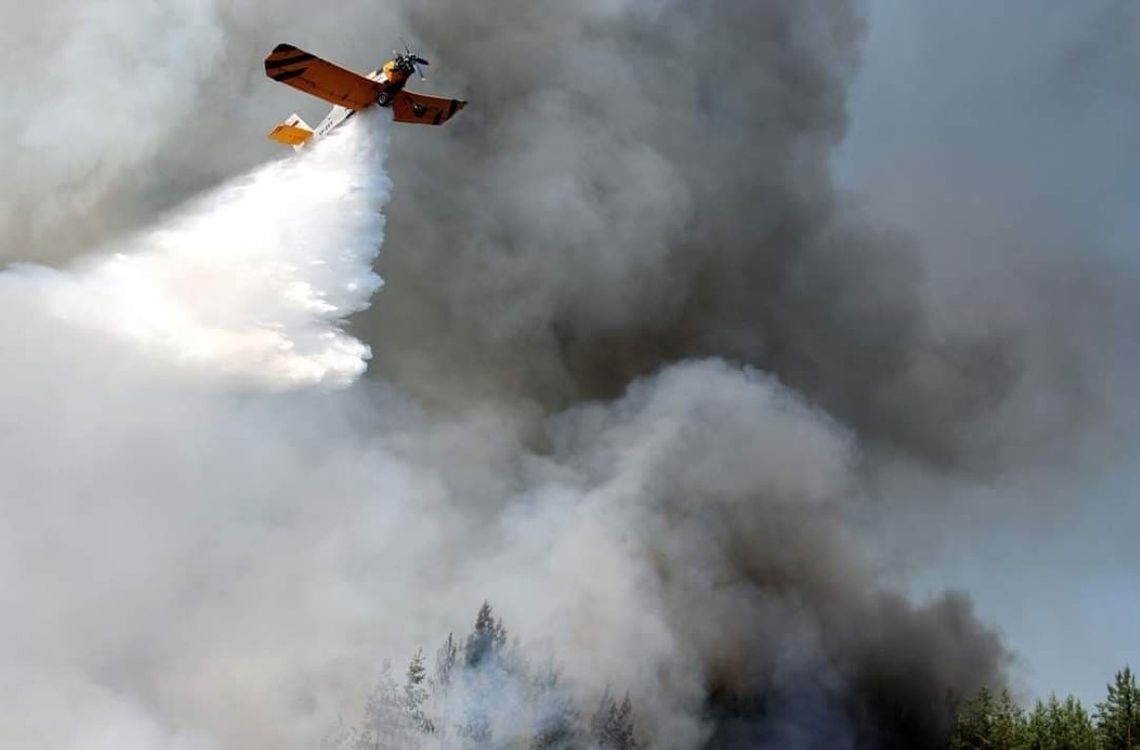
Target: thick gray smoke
(640, 182)
(644, 186)
(634, 359)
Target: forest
(997, 722)
(481, 692)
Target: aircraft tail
(293, 132)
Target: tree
(1118, 717)
(487, 638)
(612, 725)
(384, 717)
(1054, 725)
(483, 694)
(552, 708)
(975, 722)
(445, 659)
(481, 660)
(475, 730)
(416, 694)
(990, 723)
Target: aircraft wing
(321, 78)
(409, 106)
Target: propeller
(413, 60)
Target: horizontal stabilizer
(293, 132)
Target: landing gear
(384, 99)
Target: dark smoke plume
(636, 356)
(637, 187)
(641, 183)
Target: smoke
(124, 370)
(634, 361)
(91, 90)
(589, 217)
(1003, 143)
(645, 183)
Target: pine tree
(384, 718)
(475, 732)
(480, 662)
(626, 734)
(499, 639)
(1118, 717)
(556, 719)
(445, 659)
(481, 688)
(416, 694)
(599, 723)
(487, 638)
(612, 727)
(990, 723)
(1009, 724)
(1054, 725)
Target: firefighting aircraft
(350, 92)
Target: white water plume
(251, 280)
(128, 382)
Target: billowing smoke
(634, 361)
(647, 182)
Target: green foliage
(612, 726)
(416, 694)
(384, 717)
(483, 695)
(445, 660)
(1118, 717)
(990, 723)
(487, 638)
(475, 731)
(558, 721)
(997, 723)
(1057, 725)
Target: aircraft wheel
(384, 99)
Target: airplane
(350, 92)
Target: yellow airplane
(350, 92)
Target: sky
(1014, 126)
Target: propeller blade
(422, 61)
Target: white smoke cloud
(207, 546)
(197, 554)
(96, 719)
(97, 84)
